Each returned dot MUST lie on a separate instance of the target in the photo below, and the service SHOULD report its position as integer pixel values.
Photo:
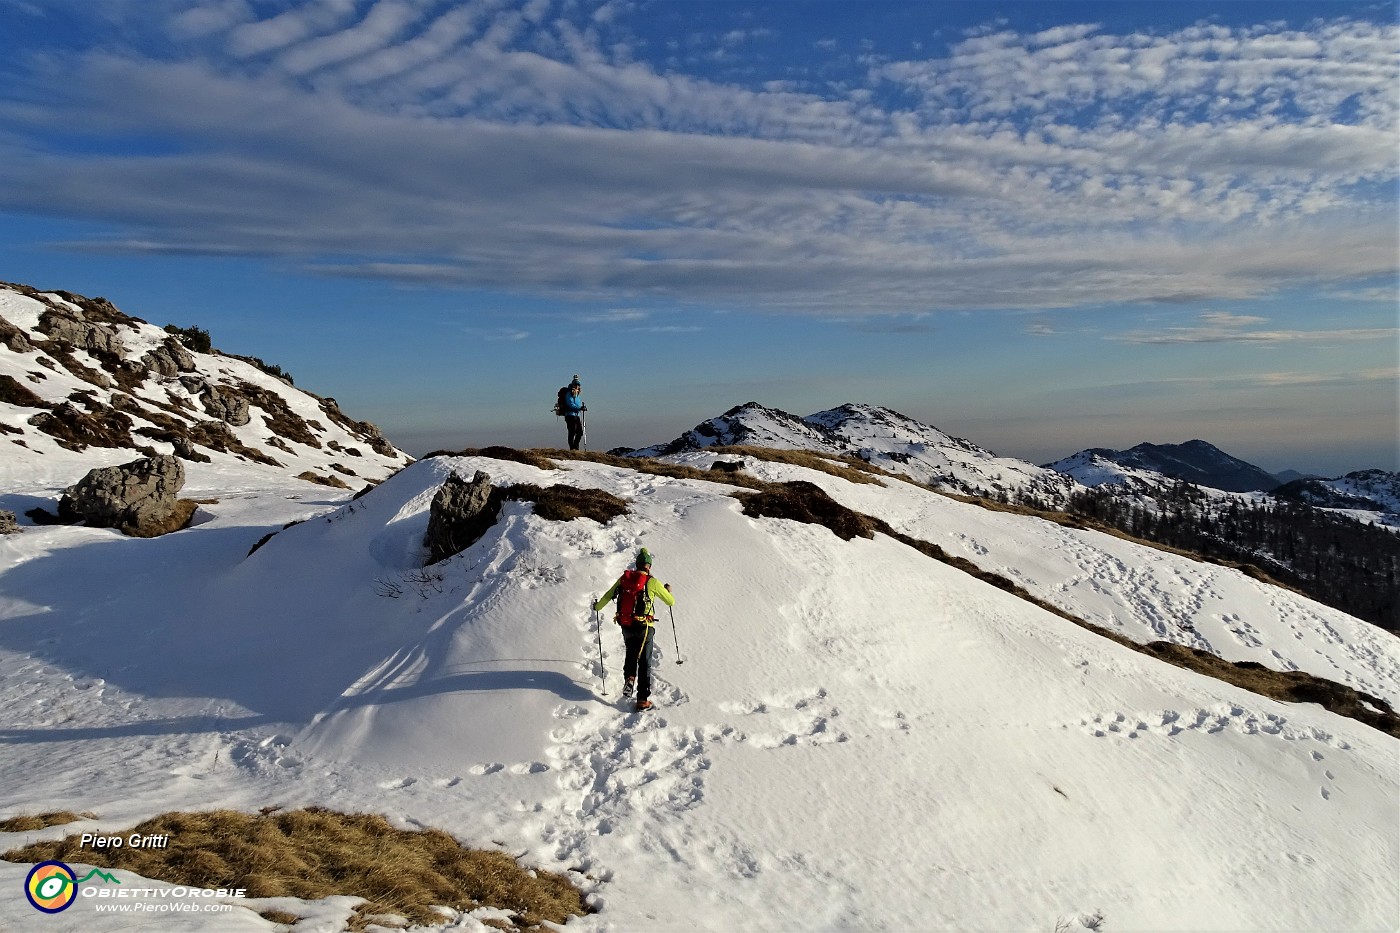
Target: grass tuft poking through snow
(30, 823)
(316, 853)
(566, 503)
(527, 457)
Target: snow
(881, 436)
(860, 737)
(39, 466)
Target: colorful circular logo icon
(51, 887)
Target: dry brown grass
(659, 468)
(801, 501)
(17, 393)
(805, 502)
(216, 435)
(27, 824)
(848, 468)
(320, 480)
(566, 503)
(315, 853)
(527, 457)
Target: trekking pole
(679, 659)
(583, 423)
(598, 626)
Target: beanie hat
(643, 558)
(575, 382)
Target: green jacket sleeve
(658, 590)
(608, 596)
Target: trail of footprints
(614, 768)
(1170, 723)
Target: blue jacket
(573, 404)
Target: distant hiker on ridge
(635, 591)
(571, 406)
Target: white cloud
(268, 35)
(1223, 327)
(488, 144)
(381, 25)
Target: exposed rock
(225, 404)
(9, 525)
(69, 327)
(377, 442)
(460, 514)
(170, 359)
(14, 338)
(371, 434)
(185, 450)
(728, 466)
(138, 498)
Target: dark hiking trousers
(575, 424)
(637, 661)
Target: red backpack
(633, 603)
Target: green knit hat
(643, 558)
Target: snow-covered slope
(880, 436)
(83, 385)
(860, 736)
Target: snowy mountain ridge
(880, 436)
(83, 385)
(1370, 490)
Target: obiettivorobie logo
(53, 886)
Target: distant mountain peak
(1195, 461)
(878, 435)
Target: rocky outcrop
(14, 338)
(70, 328)
(170, 359)
(138, 498)
(377, 442)
(461, 513)
(9, 525)
(225, 404)
(160, 390)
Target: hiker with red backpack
(570, 405)
(635, 592)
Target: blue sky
(1041, 226)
